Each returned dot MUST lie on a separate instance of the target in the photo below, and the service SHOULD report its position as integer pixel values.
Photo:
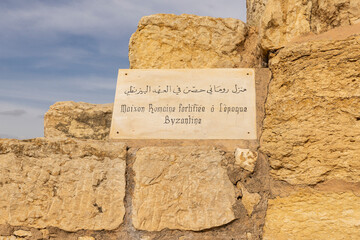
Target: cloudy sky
(70, 50)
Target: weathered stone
(183, 188)
(254, 11)
(285, 20)
(312, 126)
(78, 120)
(189, 41)
(9, 238)
(22, 233)
(68, 183)
(249, 200)
(86, 238)
(313, 215)
(246, 159)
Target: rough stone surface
(86, 238)
(189, 41)
(285, 20)
(78, 120)
(246, 159)
(312, 124)
(182, 188)
(313, 215)
(22, 233)
(9, 238)
(69, 184)
(254, 11)
(249, 200)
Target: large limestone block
(78, 120)
(189, 41)
(183, 188)
(69, 184)
(313, 215)
(285, 20)
(254, 11)
(311, 130)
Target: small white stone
(246, 159)
(22, 233)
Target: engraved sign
(184, 104)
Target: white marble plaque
(184, 104)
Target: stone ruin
(299, 180)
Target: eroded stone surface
(181, 188)
(249, 200)
(254, 11)
(313, 215)
(22, 233)
(312, 125)
(69, 184)
(78, 120)
(246, 159)
(285, 20)
(189, 41)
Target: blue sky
(62, 50)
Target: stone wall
(189, 41)
(299, 180)
(285, 20)
(254, 11)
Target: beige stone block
(246, 159)
(68, 183)
(254, 11)
(86, 238)
(22, 233)
(189, 41)
(9, 238)
(313, 215)
(184, 188)
(311, 130)
(249, 200)
(78, 120)
(285, 20)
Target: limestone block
(313, 215)
(78, 120)
(68, 183)
(9, 238)
(181, 188)
(286, 20)
(311, 130)
(254, 11)
(22, 233)
(189, 41)
(86, 238)
(249, 200)
(246, 159)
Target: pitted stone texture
(183, 188)
(311, 130)
(78, 120)
(254, 11)
(313, 215)
(284, 20)
(246, 159)
(189, 41)
(9, 238)
(69, 184)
